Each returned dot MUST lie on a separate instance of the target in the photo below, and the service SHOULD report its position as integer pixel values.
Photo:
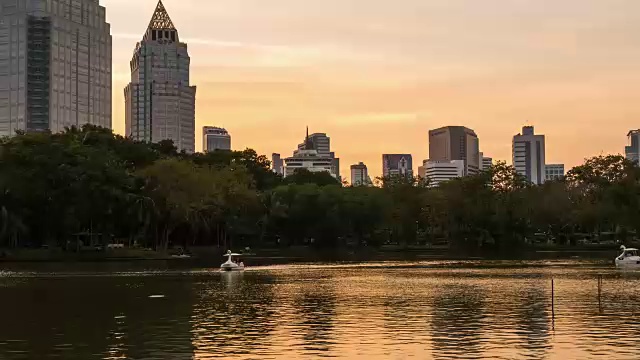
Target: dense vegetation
(55, 186)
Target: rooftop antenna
(308, 145)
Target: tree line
(88, 180)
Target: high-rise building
(55, 65)
(335, 165)
(632, 151)
(486, 163)
(308, 158)
(529, 155)
(159, 101)
(277, 165)
(215, 138)
(553, 172)
(360, 175)
(440, 171)
(455, 143)
(322, 144)
(397, 165)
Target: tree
(304, 176)
(256, 165)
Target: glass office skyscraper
(55, 65)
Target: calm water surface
(372, 311)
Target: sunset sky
(376, 75)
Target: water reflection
(79, 318)
(294, 312)
(232, 315)
(534, 323)
(457, 322)
(315, 313)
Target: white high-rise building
(55, 65)
(308, 158)
(215, 138)
(529, 155)
(632, 151)
(487, 163)
(360, 175)
(438, 171)
(553, 171)
(322, 144)
(160, 102)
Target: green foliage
(53, 186)
(257, 165)
(304, 176)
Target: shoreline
(303, 254)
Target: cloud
(378, 118)
(266, 54)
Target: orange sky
(376, 75)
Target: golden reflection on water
(346, 312)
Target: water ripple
(371, 311)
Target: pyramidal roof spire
(161, 19)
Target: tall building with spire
(159, 100)
(307, 157)
(321, 143)
(55, 65)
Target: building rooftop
(214, 130)
(451, 127)
(160, 19)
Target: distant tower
(277, 164)
(554, 171)
(360, 175)
(529, 155)
(456, 143)
(322, 144)
(485, 162)
(632, 151)
(397, 165)
(309, 158)
(215, 138)
(159, 101)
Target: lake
(424, 310)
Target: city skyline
(255, 75)
(267, 70)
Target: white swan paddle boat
(231, 265)
(628, 258)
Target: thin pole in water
(600, 292)
(553, 304)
